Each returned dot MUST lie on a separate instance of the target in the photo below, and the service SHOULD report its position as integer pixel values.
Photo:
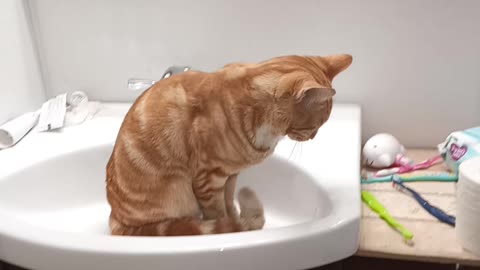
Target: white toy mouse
(383, 150)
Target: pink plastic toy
(385, 152)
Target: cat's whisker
(301, 148)
(293, 150)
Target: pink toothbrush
(403, 169)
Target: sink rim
(14, 228)
(72, 139)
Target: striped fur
(176, 158)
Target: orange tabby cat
(183, 142)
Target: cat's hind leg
(251, 218)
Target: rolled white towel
(58, 112)
(15, 129)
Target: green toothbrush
(378, 208)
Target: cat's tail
(251, 218)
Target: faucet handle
(174, 70)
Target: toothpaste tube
(460, 146)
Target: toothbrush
(378, 208)
(407, 168)
(434, 211)
(411, 177)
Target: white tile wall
(416, 69)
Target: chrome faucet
(137, 84)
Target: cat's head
(297, 90)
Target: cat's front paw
(232, 211)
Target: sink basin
(54, 213)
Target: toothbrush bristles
(401, 188)
(409, 242)
(396, 186)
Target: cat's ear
(303, 87)
(311, 93)
(336, 64)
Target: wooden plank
(434, 241)
(404, 207)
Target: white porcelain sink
(53, 210)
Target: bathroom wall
(21, 82)
(416, 70)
